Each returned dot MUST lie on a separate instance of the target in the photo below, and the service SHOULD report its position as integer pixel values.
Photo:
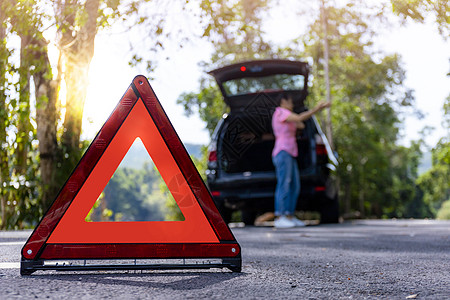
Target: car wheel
(330, 211)
(225, 212)
(248, 217)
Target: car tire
(329, 213)
(225, 212)
(248, 217)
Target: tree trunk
(361, 197)
(4, 166)
(78, 53)
(34, 49)
(347, 191)
(76, 78)
(46, 91)
(23, 123)
(329, 131)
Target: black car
(240, 172)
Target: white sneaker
(283, 222)
(297, 222)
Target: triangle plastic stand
(64, 235)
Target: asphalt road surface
(404, 259)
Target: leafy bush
(444, 212)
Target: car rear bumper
(261, 196)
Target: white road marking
(11, 243)
(9, 265)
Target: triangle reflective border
(63, 233)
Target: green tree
(377, 176)
(444, 211)
(135, 195)
(4, 120)
(18, 154)
(40, 154)
(235, 30)
(435, 183)
(368, 94)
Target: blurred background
(66, 64)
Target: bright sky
(110, 76)
(424, 53)
(426, 60)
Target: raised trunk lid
(244, 83)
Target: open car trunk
(245, 148)
(251, 90)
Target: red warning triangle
(63, 232)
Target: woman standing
(284, 156)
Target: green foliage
(201, 162)
(135, 195)
(207, 102)
(26, 191)
(444, 212)
(435, 183)
(367, 89)
(173, 213)
(234, 28)
(419, 10)
(19, 198)
(139, 195)
(446, 122)
(377, 176)
(21, 207)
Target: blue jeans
(288, 183)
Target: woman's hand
(322, 105)
(293, 117)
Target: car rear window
(276, 82)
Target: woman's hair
(284, 96)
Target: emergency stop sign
(63, 232)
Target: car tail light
(215, 193)
(319, 188)
(212, 156)
(320, 146)
(321, 150)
